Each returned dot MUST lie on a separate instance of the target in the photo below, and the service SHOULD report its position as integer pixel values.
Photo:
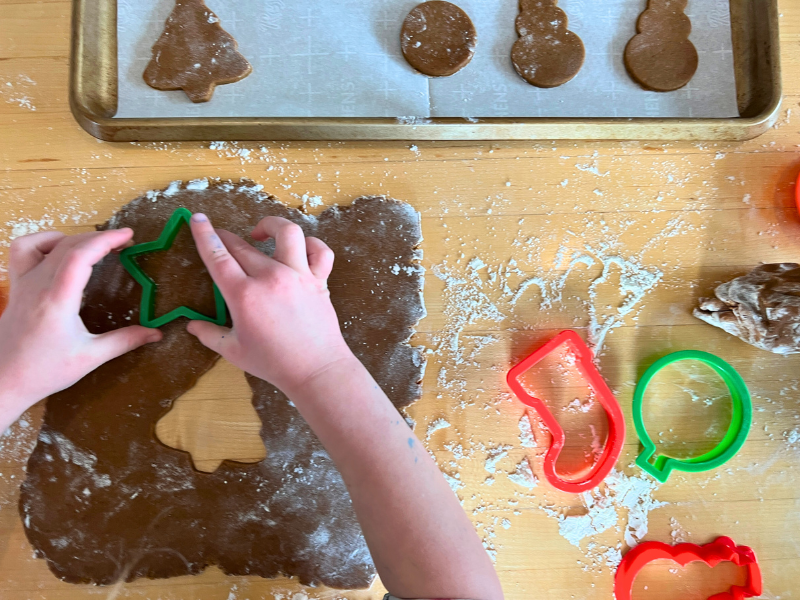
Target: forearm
(13, 400)
(11, 407)
(422, 542)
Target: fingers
(224, 269)
(290, 241)
(29, 250)
(108, 346)
(212, 336)
(76, 263)
(320, 257)
(250, 259)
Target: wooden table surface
(623, 238)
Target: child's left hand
(44, 345)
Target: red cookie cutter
(595, 474)
(797, 193)
(723, 549)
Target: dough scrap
(438, 38)
(547, 54)
(104, 501)
(194, 53)
(761, 308)
(661, 57)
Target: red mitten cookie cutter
(723, 549)
(616, 421)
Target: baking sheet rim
(100, 91)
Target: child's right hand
(285, 329)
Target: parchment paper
(341, 58)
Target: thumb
(115, 343)
(212, 336)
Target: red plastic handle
(596, 473)
(723, 549)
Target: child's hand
(285, 329)
(45, 347)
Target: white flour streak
(495, 456)
(466, 304)
(619, 493)
(435, 426)
(526, 438)
(28, 226)
(635, 282)
(524, 475)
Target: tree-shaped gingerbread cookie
(194, 53)
(660, 57)
(547, 54)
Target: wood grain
(595, 222)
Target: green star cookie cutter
(741, 419)
(128, 256)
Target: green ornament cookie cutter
(127, 257)
(741, 419)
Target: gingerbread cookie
(104, 501)
(438, 38)
(194, 53)
(761, 308)
(660, 57)
(547, 54)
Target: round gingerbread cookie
(661, 57)
(438, 38)
(547, 54)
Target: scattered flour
(482, 293)
(454, 482)
(495, 455)
(311, 201)
(677, 532)
(17, 442)
(524, 475)
(233, 150)
(435, 426)
(16, 445)
(197, 184)
(793, 437)
(592, 167)
(16, 91)
(410, 120)
(526, 438)
(28, 226)
(66, 214)
(632, 494)
(466, 303)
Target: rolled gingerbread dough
(104, 501)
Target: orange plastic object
(723, 549)
(596, 473)
(797, 193)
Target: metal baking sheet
(96, 85)
(338, 59)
